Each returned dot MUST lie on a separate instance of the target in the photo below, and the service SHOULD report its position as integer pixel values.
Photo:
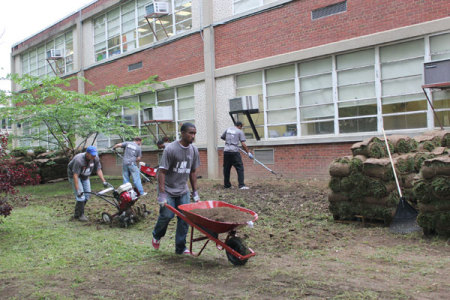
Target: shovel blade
(405, 219)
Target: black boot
(82, 217)
(79, 209)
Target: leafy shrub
(18, 152)
(11, 175)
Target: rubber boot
(82, 217)
(79, 209)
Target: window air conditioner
(437, 72)
(157, 8)
(248, 104)
(130, 120)
(54, 53)
(162, 113)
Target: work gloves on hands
(105, 184)
(195, 196)
(250, 155)
(79, 194)
(162, 199)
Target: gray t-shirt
(179, 161)
(131, 152)
(232, 136)
(84, 168)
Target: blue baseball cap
(92, 150)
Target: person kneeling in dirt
(79, 169)
(179, 162)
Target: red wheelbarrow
(237, 252)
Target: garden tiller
(237, 252)
(124, 199)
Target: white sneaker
(244, 188)
(143, 194)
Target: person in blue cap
(79, 169)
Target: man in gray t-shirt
(79, 169)
(179, 163)
(231, 156)
(132, 153)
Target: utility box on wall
(437, 72)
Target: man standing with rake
(179, 163)
(231, 156)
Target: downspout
(80, 63)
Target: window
(266, 156)
(251, 84)
(440, 49)
(329, 10)
(181, 100)
(316, 97)
(403, 103)
(357, 102)
(34, 62)
(356, 92)
(240, 6)
(125, 28)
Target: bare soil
(224, 214)
(302, 253)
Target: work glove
(105, 184)
(141, 163)
(162, 199)
(80, 194)
(195, 196)
(250, 155)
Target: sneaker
(155, 243)
(187, 252)
(143, 194)
(244, 188)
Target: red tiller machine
(237, 252)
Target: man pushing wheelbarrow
(179, 162)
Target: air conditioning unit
(54, 54)
(437, 72)
(248, 104)
(157, 9)
(130, 120)
(162, 113)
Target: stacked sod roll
(363, 184)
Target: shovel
(405, 218)
(267, 168)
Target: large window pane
(405, 121)
(358, 125)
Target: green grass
(35, 239)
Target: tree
(11, 175)
(71, 119)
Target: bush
(11, 175)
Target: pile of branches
(363, 183)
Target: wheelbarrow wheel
(237, 245)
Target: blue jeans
(85, 185)
(135, 174)
(165, 215)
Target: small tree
(69, 116)
(11, 175)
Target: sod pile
(432, 191)
(363, 183)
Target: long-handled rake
(266, 167)
(405, 218)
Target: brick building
(326, 73)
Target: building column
(210, 91)
(78, 50)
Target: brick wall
(179, 58)
(290, 27)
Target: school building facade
(326, 73)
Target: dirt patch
(224, 214)
(301, 252)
